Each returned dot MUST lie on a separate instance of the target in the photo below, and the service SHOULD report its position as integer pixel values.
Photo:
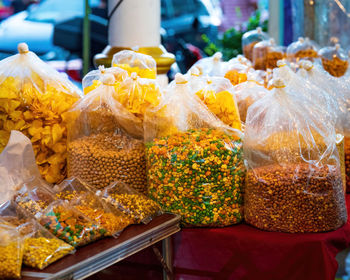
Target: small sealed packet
(137, 206)
(70, 225)
(11, 252)
(34, 196)
(72, 188)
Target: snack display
(294, 180)
(70, 225)
(195, 164)
(105, 138)
(217, 94)
(34, 98)
(250, 39)
(134, 204)
(334, 60)
(143, 65)
(266, 54)
(11, 252)
(302, 49)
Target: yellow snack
(34, 104)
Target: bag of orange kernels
(33, 99)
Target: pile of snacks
(294, 180)
(136, 205)
(34, 98)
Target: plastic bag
(217, 94)
(34, 196)
(11, 252)
(33, 100)
(193, 160)
(294, 181)
(250, 39)
(211, 66)
(141, 64)
(236, 73)
(70, 225)
(106, 140)
(93, 79)
(137, 206)
(266, 54)
(302, 49)
(247, 93)
(83, 198)
(240, 59)
(334, 60)
(17, 165)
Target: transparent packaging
(211, 66)
(72, 188)
(266, 54)
(34, 98)
(11, 252)
(143, 65)
(334, 60)
(193, 160)
(236, 73)
(251, 38)
(294, 181)
(70, 225)
(106, 133)
(302, 49)
(240, 59)
(137, 206)
(217, 94)
(93, 79)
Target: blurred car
(187, 19)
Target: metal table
(99, 255)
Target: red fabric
(244, 252)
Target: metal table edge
(79, 270)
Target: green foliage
(230, 42)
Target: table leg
(168, 257)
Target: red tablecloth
(244, 252)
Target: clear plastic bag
(266, 54)
(240, 59)
(137, 206)
(217, 94)
(70, 225)
(11, 252)
(72, 188)
(248, 92)
(193, 160)
(111, 219)
(236, 73)
(34, 196)
(334, 60)
(250, 39)
(106, 139)
(34, 98)
(93, 79)
(211, 66)
(141, 64)
(302, 49)
(294, 181)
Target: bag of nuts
(133, 62)
(137, 206)
(34, 98)
(72, 188)
(11, 252)
(195, 164)
(106, 132)
(294, 181)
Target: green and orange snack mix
(198, 174)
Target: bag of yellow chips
(33, 100)
(11, 252)
(217, 94)
(93, 79)
(141, 64)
